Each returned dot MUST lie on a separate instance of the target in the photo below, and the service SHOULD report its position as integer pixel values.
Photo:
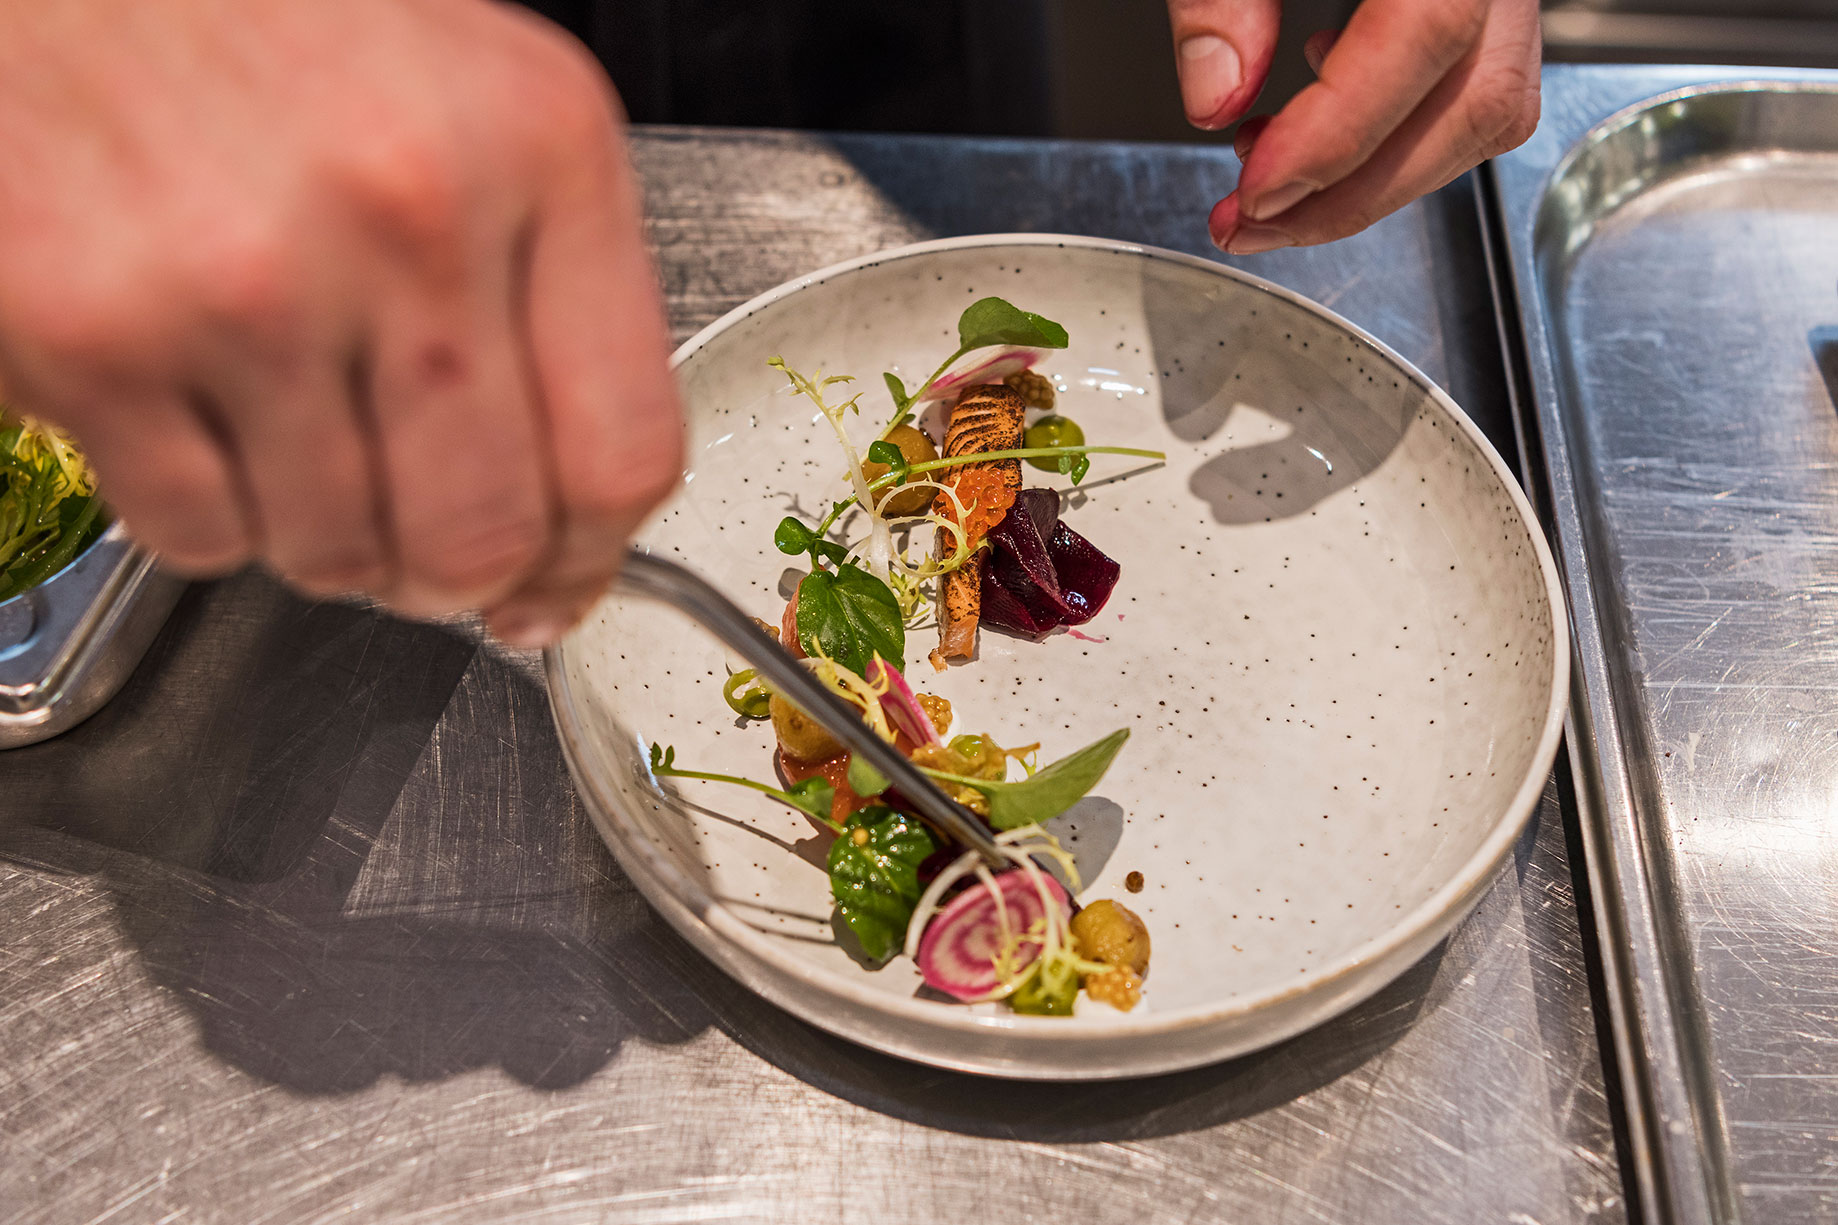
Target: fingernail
(529, 635)
(1254, 239)
(1210, 72)
(1281, 200)
(1241, 143)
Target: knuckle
(406, 185)
(1449, 29)
(322, 574)
(563, 95)
(243, 281)
(1524, 122)
(487, 553)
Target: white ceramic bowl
(1338, 642)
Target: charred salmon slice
(987, 418)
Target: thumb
(1222, 50)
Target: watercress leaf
(864, 779)
(897, 389)
(792, 536)
(830, 551)
(884, 452)
(874, 876)
(1050, 790)
(992, 321)
(1080, 467)
(1065, 464)
(814, 796)
(850, 616)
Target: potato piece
(917, 449)
(800, 735)
(1112, 934)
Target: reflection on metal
(68, 645)
(1673, 246)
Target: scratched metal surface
(308, 924)
(1679, 283)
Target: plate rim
(1433, 917)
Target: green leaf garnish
(895, 459)
(1050, 791)
(992, 321)
(874, 876)
(1080, 467)
(812, 797)
(850, 617)
(864, 779)
(897, 389)
(792, 536)
(985, 322)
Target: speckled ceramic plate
(1337, 642)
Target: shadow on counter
(311, 840)
(429, 903)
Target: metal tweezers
(676, 585)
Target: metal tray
(69, 644)
(1672, 248)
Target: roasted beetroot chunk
(1040, 574)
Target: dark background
(1093, 69)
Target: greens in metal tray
(49, 508)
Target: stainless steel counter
(307, 924)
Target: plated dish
(1335, 644)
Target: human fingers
(1380, 69)
(1314, 49)
(469, 505)
(169, 472)
(1487, 105)
(313, 476)
(1246, 136)
(1316, 46)
(595, 331)
(279, 362)
(1222, 53)
(83, 360)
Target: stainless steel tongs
(687, 592)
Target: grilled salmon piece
(986, 418)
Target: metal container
(1672, 248)
(69, 644)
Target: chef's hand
(1407, 97)
(353, 287)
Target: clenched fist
(353, 287)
